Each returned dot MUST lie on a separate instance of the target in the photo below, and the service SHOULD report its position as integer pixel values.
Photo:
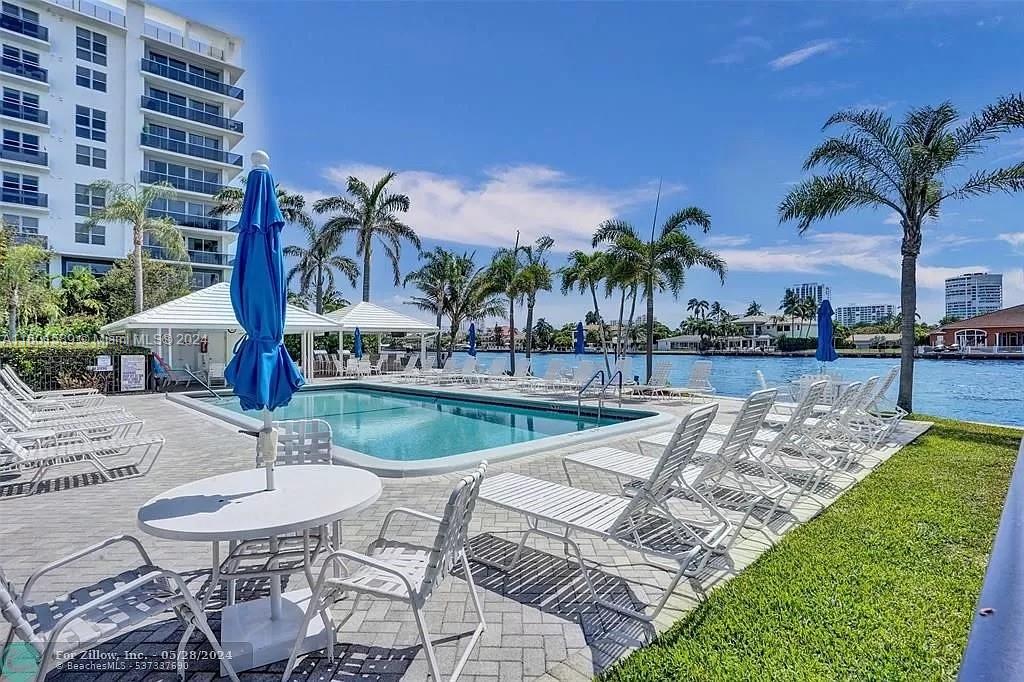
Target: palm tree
(371, 213)
(584, 273)
(697, 307)
(471, 295)
(129, 204)
(805, 309)
(754, 308)
(20, 273)
(228, 201)
(622, 275)
(535, 276)
(664, 259)
(506, 278)
(544, 333)
(318, 261)
(904, 168)
(434, 280)
(715, 311)
(789, 304)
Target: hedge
(788, 344)
(48, 366)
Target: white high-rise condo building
(819, 292)
(850, 315)
(973, 294)
(128, 93)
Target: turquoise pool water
(409, 427)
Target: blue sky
(548, 118)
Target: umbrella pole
(268, 444)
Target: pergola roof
(372, 318)
(210, 309)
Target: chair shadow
(553, 585)
(10, 486)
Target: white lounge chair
(551, 376)
(517, 378)
(448, 372)
(403, 570)
(698, 384)
(52, 394)
(832, 430)
(467, 373)
(55, 411)
(86, 617)
(97, 454)
(18, 418)
(494, 374)
(644, 522)
(15, 390)
(657, 384)
(409, 370)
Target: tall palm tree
(698, 307)
(624, 276)
(471, 295)
(904, 167)
(129, 204)
(806, 310)
(228, 201)
(789, 305)
(434, 280)
(505, 275)
(371, 213)
(584, 273)
(20, 273)
(664, 259)
(317, 262)
(535, 276)
(754, 308)
(716, 311)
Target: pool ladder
(601, 393)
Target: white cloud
(818, 47)
(892, 219)
(1014, 239)
(721, 240)
(741, 49)
(536, 200)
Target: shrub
(789, 344)
(47, 366)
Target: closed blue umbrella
(580, 340)
(261, 372)
(357, 344)
(472, 339)
(826, 351)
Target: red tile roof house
(1003, 329)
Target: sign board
(133, 372)
(103, 362)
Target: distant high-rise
(815, 290)
(850, 315)
(973, 294)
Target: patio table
(236, 506)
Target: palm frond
(827, 196)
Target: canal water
(976, 390)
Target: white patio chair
(409, 370)
(657, 385)
(698, 385)
(104, 456)
(645, 522)
(833, 431)
(446, 373)
(18, 417)
(215, 374)
(24, 396)
(56, 394)
(551, 376)
(493, 375)
(50, 408)
(87, 617)
(404, 571)
(467, 373)
(522, 374)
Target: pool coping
(466, 460)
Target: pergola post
(423, 351)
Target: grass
(881, 586)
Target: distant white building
(973, 294)
(850, 315)
(814, 290)
(122, 91)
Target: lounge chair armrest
(408, 512)
(92, 549)
(342, 554)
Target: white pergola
(371, 318)
(209, 311)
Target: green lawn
(881, 586)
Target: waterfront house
(864, 341)
(1001, 331)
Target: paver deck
(541, 624)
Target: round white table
(237, 506)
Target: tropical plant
(333, 300)
(504, 275)
(624, 276)
(904, 167)
(535, 276)
(715, 311)
(663, 260)
(228, 201)
(79, 289)
(471, 295)
(754, 308)
(806, 310)
(371, 214)
(22, 283)
(434, 281)
(544, 334)
(789, 305)
(697, 307)
(584, 273)
(317, 263)
(130, 204)
(163, 282)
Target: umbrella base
(251, 639)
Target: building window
(91, 46)
(13, 10)
(20, 182)
(90, 156)
(19, 98)
(18, 55)
(90, 123)
(90, 234)
(15, 141)
(96, 267)
(21, 224)
(180, 171)
(91, 78)
(88, 200)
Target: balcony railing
(197, 150)
(197, 115)
(24, 197)
(174, 38)
(25, 113)
(88, 9)
(199, 257)
(24, 27)
(33, 156)
(178, 182)
(190, 220)
(19, 238)
(195, 80)
(23, 69)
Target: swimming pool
(404, 426)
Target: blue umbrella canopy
(472, 339)
(826, 351)
(261, 372)
(357, 344)
(580, 340)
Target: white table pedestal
(252, 639)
